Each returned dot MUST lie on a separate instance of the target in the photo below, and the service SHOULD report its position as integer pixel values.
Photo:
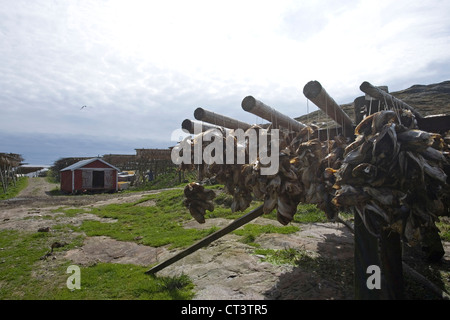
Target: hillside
(429, 100)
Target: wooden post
(366, 254)
(359, 105)
(219, 120)
(255, 213)
(250, 104)
(438, 124)
(314, 91)
(389, 99)
(189, 126)
(392, 286)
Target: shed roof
(82, 163)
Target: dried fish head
(382, 118)
(329, 173)
(366, 171)
(348, 195)
(291, 188)
(415, 139)
(286, 209)
(407, 119)
(412, 231)
(359, 155)
(365, 126)
(385, 143)
(354, 145)
(270, 202)
(385, 196)
(274, 184)
(374, 122)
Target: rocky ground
(226, 269)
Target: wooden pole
(438, 124)
(359, 107)
(389, 99)
(250, 104)
(366, 254)
(219, 120)
(314, 91)
(392, 285)
(189, 126)
(204, 242)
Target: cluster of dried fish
(392, 176)
(198, 200)
(305, 174)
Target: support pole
(314, 91)
(219, 120)
(204, 242)
(392, 285)
(389, 99)
(359, 107)
(250, 104)
(189, 126)
(366, 254)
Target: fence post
(366, 254)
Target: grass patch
(288, 256)
(444, 228)
(338, 271)
(13, 191)
(154, 226)
(24, 275)
(309, 213)
(250, 232)
(169, 179)
(126, 282)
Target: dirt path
(37, 187)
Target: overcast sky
(142, 67)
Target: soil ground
(226, 269)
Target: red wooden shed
(94, 175)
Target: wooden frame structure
(384, 251)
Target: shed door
(87, 179)
(98, 179)
(109, 179)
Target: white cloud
(146, 65)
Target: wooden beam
(359, 107)
(366, 254)
(314, 91)
(188, 125)
(250, 104)
(204, 242)
(391, 101)
(438, 124)
(392, 284)
(219, 120)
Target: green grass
(154, 226)
(250, 232)
(309, 213)
(339, 271)
(125, 281)
(444, 227)
(24, 275)
(12, 190)
(170, 179)
(288, 256)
